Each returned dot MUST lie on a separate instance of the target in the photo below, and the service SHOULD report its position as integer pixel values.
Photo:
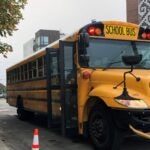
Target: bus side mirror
(84, 59)
(131, 59)
(83, 40)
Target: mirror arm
(124, 78)
(137, 78)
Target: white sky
(64, 15)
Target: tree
(10, 15)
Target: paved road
(18, 135)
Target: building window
(44, 40)
(38, 41)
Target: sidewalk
(2, 146)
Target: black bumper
(137, 118)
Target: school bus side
(27, 84)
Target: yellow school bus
(95, 82)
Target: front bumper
(139, 119)
(140, 133)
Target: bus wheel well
(91, 103)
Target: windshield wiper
(111, 63)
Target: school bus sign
(121, 31)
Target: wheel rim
(99, 129)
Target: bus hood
(103, 84)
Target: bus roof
(117, 30)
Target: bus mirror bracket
(129, 61)
(85, 57)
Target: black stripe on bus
(29, 80)
(26, 89)
(54, 87)
(34, 99)
(29, 98)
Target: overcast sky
(64, 15)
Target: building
(42, 38)
(28, 48)
(138, 11)
(45, 37)
(132, 11)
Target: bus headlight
(132, 103)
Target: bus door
(68, 87)
(53, 87)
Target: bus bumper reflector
(140, 133)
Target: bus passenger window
(34, 69)
(22, 73)
(25, 72)
(40, 67)
(44, 68)
(30, 70)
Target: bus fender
(105, 94)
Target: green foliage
(10, 15)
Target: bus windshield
(102, 53)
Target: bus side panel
(33, 93)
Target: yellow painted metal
(101, 85)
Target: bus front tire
(102, 130)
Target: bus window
(22, 73)
(30, 70)
(25, 71)
(68, 68)
(54, 71)
(34, 69)
(44, 68)
(40, 67)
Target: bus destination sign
(121, 32)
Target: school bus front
(113, 82)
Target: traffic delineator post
(35, 145)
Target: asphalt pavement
(18, 135)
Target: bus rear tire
(102, 130)
(22, 114)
